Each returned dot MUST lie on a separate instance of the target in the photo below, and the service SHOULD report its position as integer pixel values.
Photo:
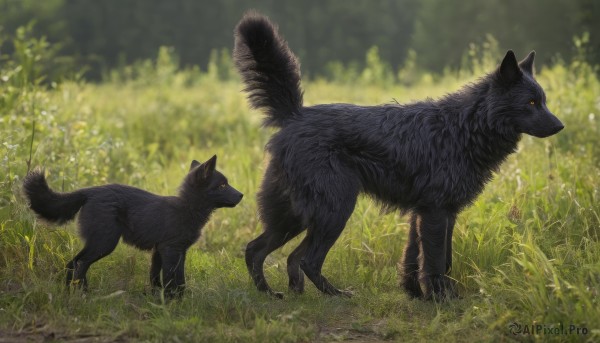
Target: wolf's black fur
(270, 70)
(168, 225)
(431, 158)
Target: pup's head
(518, 101)
(206, 184)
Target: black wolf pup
(167, 225)
(430, 158)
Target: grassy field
(527, 253)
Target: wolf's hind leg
(328, 222)
(258, 250)
(410, 263)
(295, 274)
(280, 226)
(101, 230)
(94, 249)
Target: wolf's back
(49, 205)
(269, 69)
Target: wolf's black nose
(558, 128)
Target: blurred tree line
(434, 34)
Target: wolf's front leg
(155, 268)
(435, 233)
(173, 262)
(449, 232)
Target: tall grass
(526, 252)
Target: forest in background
(432, 35)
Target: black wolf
(167, 225)
(429, 158)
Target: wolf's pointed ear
(194, 164)
(527, 63)
(209, 166)
(509, 70)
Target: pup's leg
(280, 226)
(410, 263)
(71, 268)
(96, 248)
(432, 226)
(99, 227)
(295, 274)
(79, 277)
(173, 263)
(155, 267)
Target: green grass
(527, 251)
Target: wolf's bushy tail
(269, 69)
(49, 205)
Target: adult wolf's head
(517, 102)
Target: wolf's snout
(546, 126)
(237, 197)
(557, 125)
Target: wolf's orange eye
(532, 102)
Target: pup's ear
(527, 63)
(208, 167)
(194, 164)
(509, 70)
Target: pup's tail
(269, 69)
(49, 205)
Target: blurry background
(428, 35)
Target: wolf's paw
(276, 295)
(297, 289)
(411, 285)
(439, 287)
(347, 293)
(296, 285)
